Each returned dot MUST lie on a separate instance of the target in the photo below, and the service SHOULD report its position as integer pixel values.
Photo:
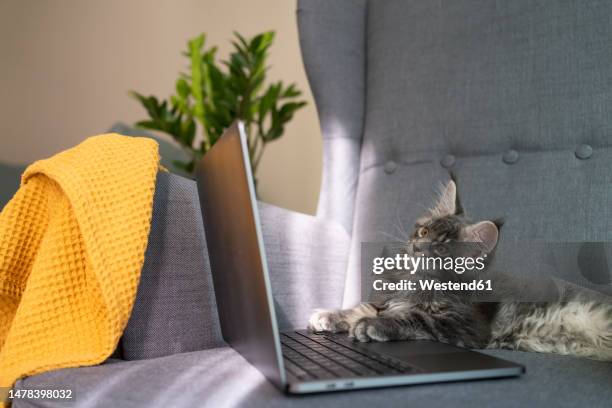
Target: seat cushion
(222, 378)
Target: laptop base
(326, 362)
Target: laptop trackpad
(434, 356)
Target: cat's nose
(417, 247)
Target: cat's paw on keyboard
(370, 329)
(327, 321)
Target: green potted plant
(212, 95)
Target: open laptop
(299, 361)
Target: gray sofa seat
(220, 377)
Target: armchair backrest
(333, 44)
(514, 97)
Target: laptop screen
(237, 254)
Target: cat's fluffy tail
(582, 329)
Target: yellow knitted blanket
(72, 244)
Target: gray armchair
(10, 176)
(514, 97)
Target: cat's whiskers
(395, 238)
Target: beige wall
(66, 67)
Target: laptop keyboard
(311, 357)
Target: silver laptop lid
(237, 254)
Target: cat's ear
(458, 207)
(484, 232)
(447, 203)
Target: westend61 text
(430, 284)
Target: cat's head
(445, 231)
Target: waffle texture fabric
(72, 245)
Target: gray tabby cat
(572, 325)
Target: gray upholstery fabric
(332, 41)
(10, 177)
(175, 309)
(307, 262)
(466, 82)
(220, 378)
(474, 77)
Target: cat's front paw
(327, 321)
(370, 329)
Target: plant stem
(258, 157)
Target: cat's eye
(422, 232)
(442, 251)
